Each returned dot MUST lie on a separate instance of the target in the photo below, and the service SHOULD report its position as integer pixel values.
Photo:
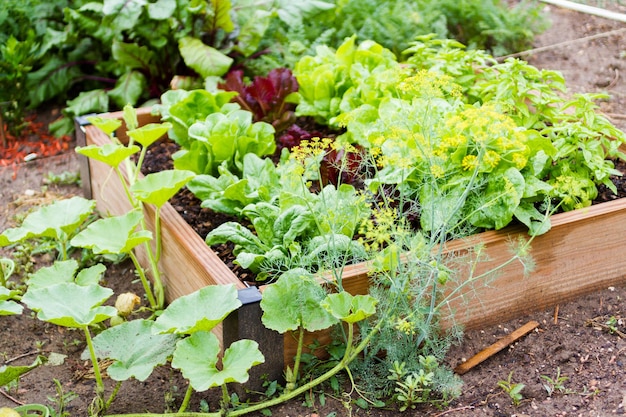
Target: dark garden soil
(584, 340)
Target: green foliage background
(98, 56)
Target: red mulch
(35, 142)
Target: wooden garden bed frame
(582, 253)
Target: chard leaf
(111, 154)
(94, 101)
(147, 134)
(252, 31)
(126, 13)
(350, 308)
(132, 56)
(201, 310)
(113, 234)
(221, 15)
(238, 234)
(197, 357)
(203, 59)
(135, 349)
(58, 220)
(157, 188)
(129, 88)
(294, 301)
(161, 9)
(292, 12)
(69, 304)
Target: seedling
(557, 384)
(514, 390)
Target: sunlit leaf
(9, 307)
(157, 188)
(57, 220)
(197, 357)
(113, 234)
(147, 134)
(11, 373)
(69, 304)
(350, 308)
(111, 154)
(200, 310)
(107, 124)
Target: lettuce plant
(224, 139)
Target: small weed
(61, 400)
(64, 178)
(556, 384)
(514, 390)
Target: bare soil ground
(583, 340)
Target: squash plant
(155, 189)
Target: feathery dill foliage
(417, 287)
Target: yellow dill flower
(429, 84)
(378, 230)
(491, 159)
(469, 162)
(375, 151)
(405, 326)
(437, 171)
(519, 160)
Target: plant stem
(186, 400)
(157, 233)
(156, 275)
(113, 395)
(94, 362)
(144, 280)
(125, 185)
(296, 365)
(350, 354)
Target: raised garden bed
(579, 255)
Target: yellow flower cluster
(489, 136)
(405, 326)
(378, 230)
(312, 148)
(429, 84)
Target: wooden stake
(496, 347)
(556, 314)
